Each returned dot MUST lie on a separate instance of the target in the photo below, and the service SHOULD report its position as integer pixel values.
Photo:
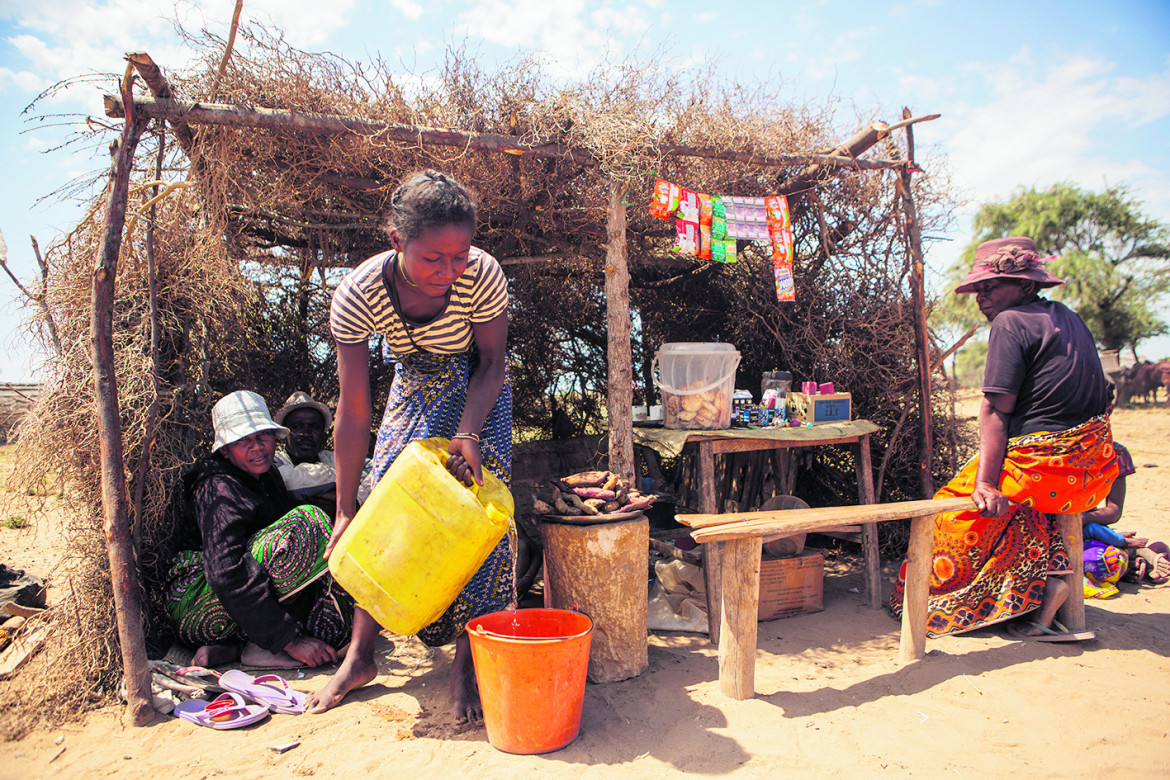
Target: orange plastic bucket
(530, 665)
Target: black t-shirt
(1043, 353)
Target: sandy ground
(832, 700)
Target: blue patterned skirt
(426, 399)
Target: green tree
(1114, 259)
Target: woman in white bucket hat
(251, 568)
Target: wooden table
(708, 444)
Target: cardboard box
(791, 586)
(820, 409)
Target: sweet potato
(565, 509)
(586, 479)
(572, 499)
(595, 492)
(541, 507)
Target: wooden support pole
(921, 337)
(620, 397)
(712, 569)
(740, 618)
(161, 89)
(869, 535)
(912, 645)
(119, 543)
(1072, 612)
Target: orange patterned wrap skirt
(989, 569)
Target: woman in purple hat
(1045, 448)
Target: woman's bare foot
(465, 703)
(357, 669)
(215, 655)
(256, 656)
(354, 672)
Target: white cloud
(408, 8)
(64, 38)
(1071, 121)
(845, 47)
(568, 33)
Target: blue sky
(1031, 93)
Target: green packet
(723, 250)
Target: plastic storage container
(419, 538)
(696, 380)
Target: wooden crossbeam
(190, 112)
(719, 528)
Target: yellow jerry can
(419, 538)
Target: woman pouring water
(441, 306)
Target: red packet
(686, 238)
(688, 206)
(780, 230)
(706, 214)
(664, 201)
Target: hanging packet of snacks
(705, 216)
(723, 250)
(718, 219)
(686, 240)
(664, 201)
(780, 230)
(746, 219)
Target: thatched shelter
(268, 179)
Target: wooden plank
(1072, 612)
(912, 645)
(724, 446)
(741, 603)
(12, 608)
(22, 648)
(713, 527)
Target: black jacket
(224, 507)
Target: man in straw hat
(1045, 447)
(308, 469)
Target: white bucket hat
(241, 414)
(302, 400)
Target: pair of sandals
(247, 700)
(1143, 568)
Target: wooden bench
(739, 577)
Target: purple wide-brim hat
(1013, 257)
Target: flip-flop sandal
(1058, 633)
(271, 690)
(1136, 571)
(228, 711)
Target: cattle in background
(1142, 381)
(1161, 375)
